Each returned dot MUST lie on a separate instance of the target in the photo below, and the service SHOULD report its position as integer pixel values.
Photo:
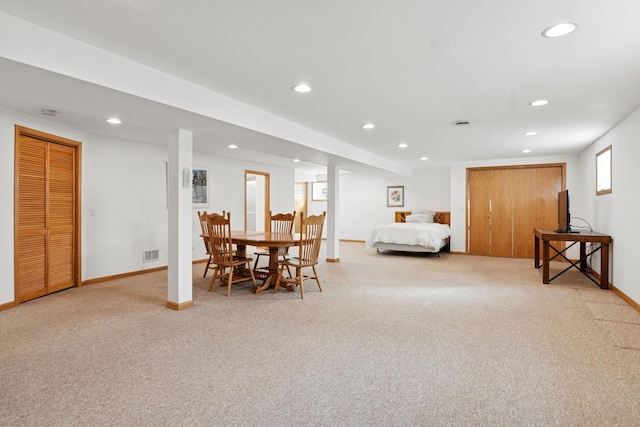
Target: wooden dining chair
(308, 252)
(219, 233)
(202, 217)
(280, 223)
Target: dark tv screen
(564, 215)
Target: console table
(583, 237)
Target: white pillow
(420, 217)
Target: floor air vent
(151, 255)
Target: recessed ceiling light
(526, 150)
(403, 145)
(424, 158)
(539, 103)
(530, 133)
(302, 88)
(49, 112)
(296, 160)
(368, 126)
(114, 121)
(559, 30)
(233, 146)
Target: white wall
(458, 189)
(363, 199)
(124, 186)
(615, 213)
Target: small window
(603, 171)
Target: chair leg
(255, 264)
(213, 279)
(231, 270)
(207, 267)
(301, 282)
(284, 258)
(315, 276)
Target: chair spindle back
(310, 237)
(219, 232)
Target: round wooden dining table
(273, 241)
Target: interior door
(479, 212)
(61, 253)
(299, 203)
(550, 181)
(525, 196)
(501, 230)
(31, 218)
(47, 225)
(505, 204)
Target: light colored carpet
(393, 340)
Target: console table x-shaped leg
(582, 261)
(583, 238)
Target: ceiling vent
(49, 112)
(461, 123)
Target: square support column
(333, 211)
(180, 281)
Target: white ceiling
(410, 67)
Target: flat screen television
(564, 214)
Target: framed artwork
(200, 187)
(319, 191)
(395, 196)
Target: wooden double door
(505, 204)
(47, 218)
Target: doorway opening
(256, 201)
(300, 203)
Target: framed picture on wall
(395, 196)
(319, 191)
(200, 187)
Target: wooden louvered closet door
(61, 218)
(47, 225)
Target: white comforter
(429, 235)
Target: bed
(426, 232)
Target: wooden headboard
(440, 217)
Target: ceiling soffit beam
(33, 45)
